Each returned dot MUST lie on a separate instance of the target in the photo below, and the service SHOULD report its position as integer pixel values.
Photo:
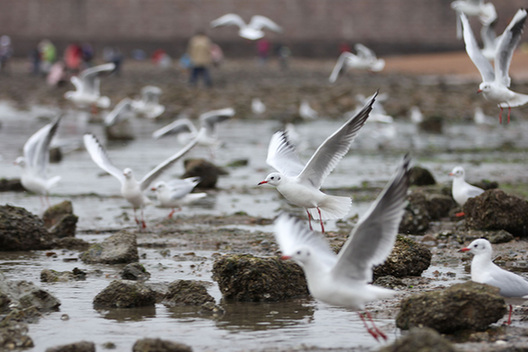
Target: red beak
(153, 189)
(479, 91)
(285, 257)
(450, 174)
(465, 249)
(261, 183)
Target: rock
(21, 231)
(60, 220)
(119, 248)
(72, 243)
(248, 278)
(432, 124)
(421, 177)
(159, 345)
(389, 281)
(11, 185)
(82, 346)
(422, 209)
(420, 339)
(496, 210)
(469, 305)
(14, 337)
(494, 237)
(135, 271)
(25, 294)
(48, 275)
(208, 172)
(186, 293)
(408, 258)
(125, 294)
(121, 131)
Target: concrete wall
(311, 27)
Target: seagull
(131, 189)
(122, 112)
(343, 279)
(35, 161)
(251, 31)
(300, 184)
(365, 59)
(206, 135)
(378, 113)
(306, 112)
(461, 190)
(149, 105)
(177, 192)
(484, 271)
(87, 87)
(415, 115)
(480, 118)
(495, 82)
(257, 106)
(485, 11)
(490, 40)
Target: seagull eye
(299, 252)
(272, 177)
(475, 246)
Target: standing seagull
(131, 189)
(35, 161)
(148, 105)
(299, 184)
(484, 271)
(461, 190)
(343, 279)
(177, 192)
(253, 30)
(206, 135)
(495, 82)
(87, 87)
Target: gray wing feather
(372, 239)
(211, 118)
(326, 157)
(157, 171)
(474, 53)
(100, 158)
(175, 127)
(36, 149)
(507, 44)
(282, 156)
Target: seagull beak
(451, 174)
(261, 183)
(285, 257)
(153, 189)
(479, 91)
(465, 249)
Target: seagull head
(301, 256)
(128, 173)
(478, 247)
(457, 172)
(20, 161)
(484, 87)
(159, 187)
(272, 179)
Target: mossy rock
(186, 293)
(125, 294)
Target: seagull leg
(309, 219)
(374, 331)
(143, 223)
(321, 220)
(509, 315)
(172, 212)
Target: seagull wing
(36, 149)
(474, 53)
(339, 66)
(156, 172)
(77, 83)
(326, 157)
(364, 52)
(228, 20)
(259, 22)
(175, 127)
(372, 239)
(291, 234)
(282, 156)
(100, 157)
(119, 113)
(90, 76)
(509, 40)
(150, 94)
(211, 118)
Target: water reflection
(254, 316)
(128, 314)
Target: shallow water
(245, 326)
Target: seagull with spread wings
(87, 86)
(253, 30)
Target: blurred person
(199, 50)
(263, 48)
(48, 55)
(87, 54)
(344, 47)
(35, 59)
(6, 51)
(283, 53)
(111, 54)
(73, 57)
(217, 54)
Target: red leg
(320, 219)
(460, 214)
(374, 331)
(172, 212)
(143, 223)
(309, 219)
(509, 315)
